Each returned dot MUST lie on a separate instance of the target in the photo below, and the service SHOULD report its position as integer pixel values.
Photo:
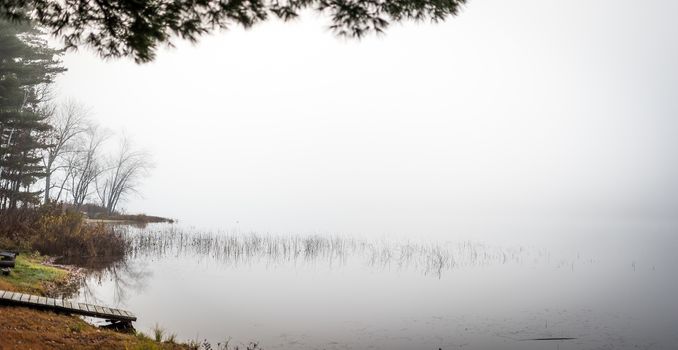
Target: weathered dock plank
(64, 305)
(82, 307)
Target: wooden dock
(66, 306)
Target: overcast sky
(531, 109)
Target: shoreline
(131, 218)
(70, 285)
(24, 327)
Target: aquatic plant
(158, 333)
(234, 249)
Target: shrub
(54, 231)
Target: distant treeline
(98, 212)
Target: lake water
(607, 287)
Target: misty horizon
(542, 110)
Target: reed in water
(238, 248)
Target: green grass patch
(30, 276)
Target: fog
(530, 115)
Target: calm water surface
(608, 288)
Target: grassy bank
(33, 277)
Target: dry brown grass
(22, 328)
(5, 285)
(51, 230)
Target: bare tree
(68, 121)
(123, 175)
(69, 161)
(86, 165)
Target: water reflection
(126, 277)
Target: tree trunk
(47, 185)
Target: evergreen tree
(27, 66)
(136, 27)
